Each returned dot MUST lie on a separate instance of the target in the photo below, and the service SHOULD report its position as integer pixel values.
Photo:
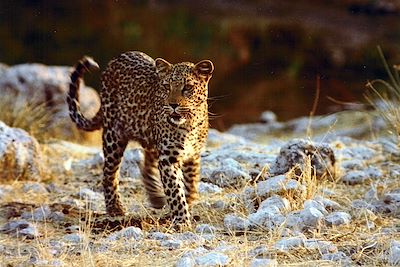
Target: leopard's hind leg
(113, 149)
(152, 181)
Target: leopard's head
(186, 88)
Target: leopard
(163, 107)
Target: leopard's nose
(174, 106)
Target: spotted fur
(162, 106)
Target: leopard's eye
(187, 90)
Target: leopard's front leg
(170, 164)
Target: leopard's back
(130, 96)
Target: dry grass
(38, 119)
(28, 115)
(388, 95)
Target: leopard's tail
(86, 64)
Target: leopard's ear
(204, 68)
(162, 66)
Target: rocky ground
(322, 191)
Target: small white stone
(74, 238)
(268, 117)
(329, 204)
(171, 243)
(129, 233)
(205, 229)
(267, 219)
(263, 263)
(337, 257)
(394, 253)
(33, 187)
(20, 228)
(321, 245)
(294, 221)
(90, 195)
(278, 185)
(311, 217)
(212, 259)
(208, 188)
(231, 173)
(355, 177)
(185, 262)
(338, 218)
(233, 222)
(40, 214)
(279, 202)
(159, 236)
(309, 203)
(289, 243)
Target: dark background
(267, 54)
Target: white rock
(232, 222)
(268, 117)
(259, 252)
(74, 238)
(310, 203)
(279, 185)
(217, 138)
(131, 163)
(311, 217)
(289, 243)
(352, 164)
(394, 253)
(40, 214)
(337, 257)
(189, 238)
(94, 162)
(90, 195)
(267, 219)
(321, 245)
(129, 233)
(212, 259)
(374, 172)
(231, 173)
(208, 188)
(360, 152)
(219, 204)
(355, 177)
(20, 228)
(206, 229)
(171, 243)
(295, 221)
(159, 236)
(33, 187)
(329, 204)
(185, 262)
(362, 204)
(20, 155)
(277, 201)
(263, 263)
(338, 218)
(248, 197)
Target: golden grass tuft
(388, 95)
(34, 118)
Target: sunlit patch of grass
(388, 95)
(39, 120)
(34, 118)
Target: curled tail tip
(89, 63)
